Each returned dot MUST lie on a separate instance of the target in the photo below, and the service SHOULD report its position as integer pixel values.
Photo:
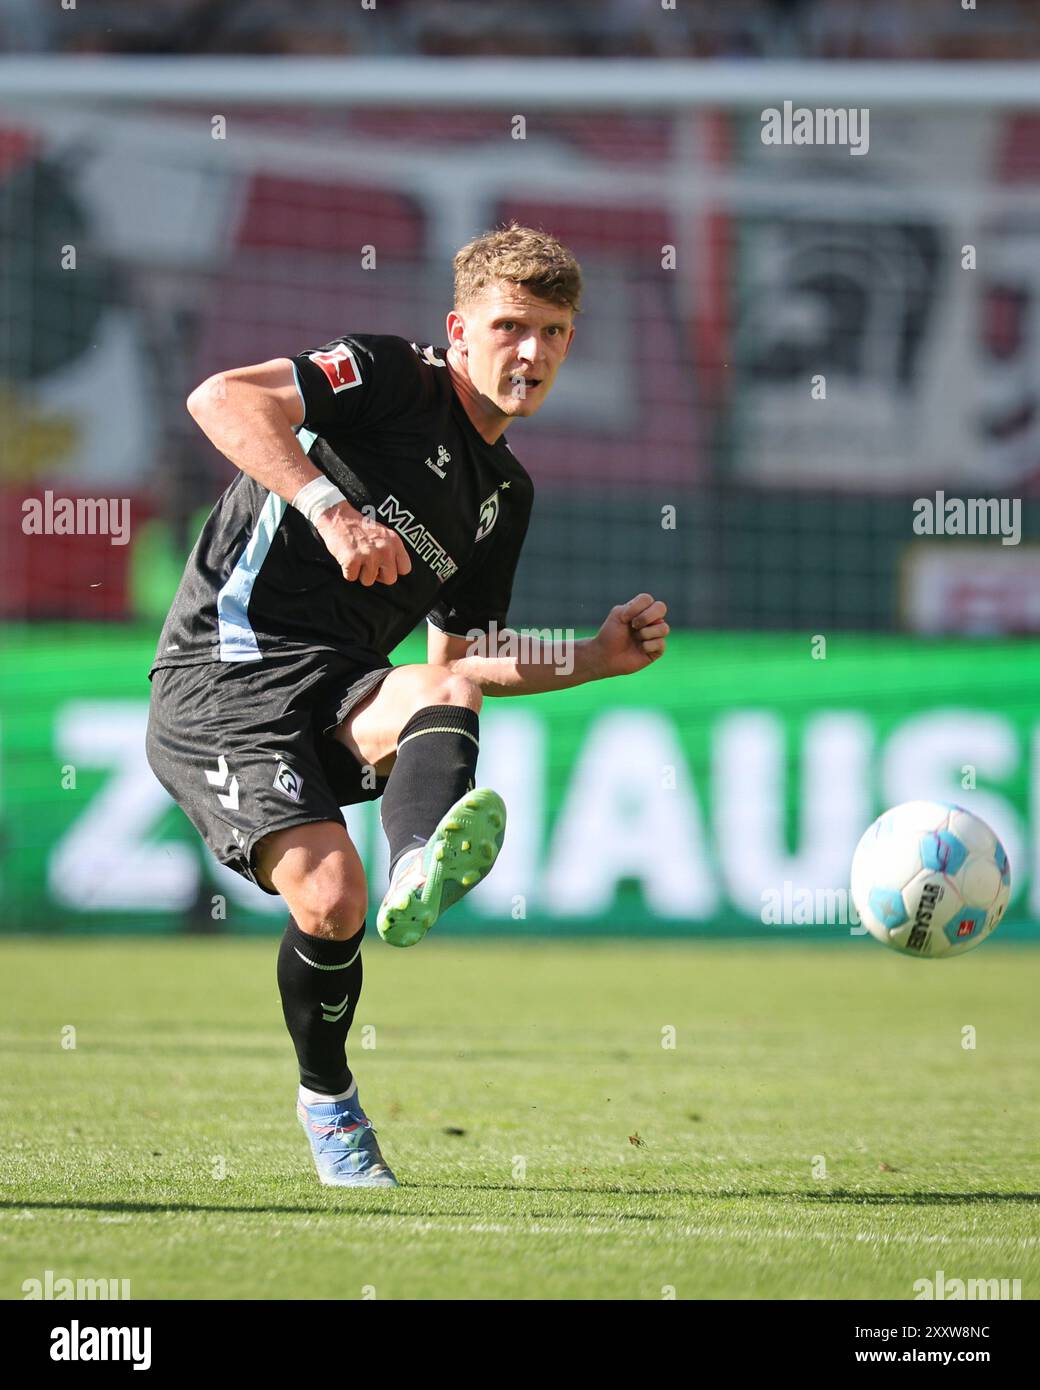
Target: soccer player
(375, 489)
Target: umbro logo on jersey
(288, 782)
(443, 457)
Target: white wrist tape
(317, 497)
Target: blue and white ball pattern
(930, 879)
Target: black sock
(436, 762)
(320, 983)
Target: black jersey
(382, 422)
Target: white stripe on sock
(316, 1097)
(318, 965)
(440, 729)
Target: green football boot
(432, 878)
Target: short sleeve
(357, 380)
(480, 593)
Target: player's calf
(318, 872)
(444, 835)
(436, 765)
(421, 728)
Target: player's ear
(456, 326)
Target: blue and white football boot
(344, 1145)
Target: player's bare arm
(250, 414)
(631, 638)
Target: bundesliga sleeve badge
(340, 366)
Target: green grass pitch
(818, 1130)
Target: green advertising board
(736, 773)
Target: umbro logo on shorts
(288, 782)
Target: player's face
(513, 344)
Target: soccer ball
(930, 879)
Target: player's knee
(330, 901)
(443, 687)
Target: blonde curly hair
(523, 256)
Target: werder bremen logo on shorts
(288, 782)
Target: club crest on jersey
(340, 366)
(488, 515)
(287, 782)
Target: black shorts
(245, 748)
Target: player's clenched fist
(633, 635)
(365, 549)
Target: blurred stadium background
(145, 246)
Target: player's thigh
(318, 871)
(371, 730)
